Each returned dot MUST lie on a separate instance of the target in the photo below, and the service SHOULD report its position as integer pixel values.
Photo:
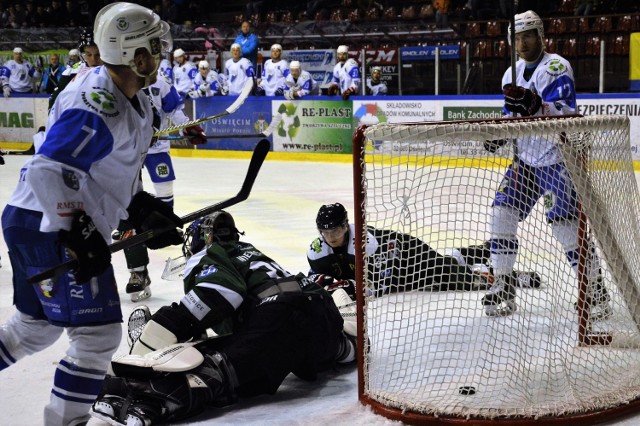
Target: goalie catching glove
(521, 101)
(148, 212)
(195, 135)
(85, 244)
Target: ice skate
(500, 299)
(138, 285)
(528, 279)
(109, 408)
(598, 302)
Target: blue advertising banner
(428, 53)
(252, 118)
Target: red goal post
(420, 351)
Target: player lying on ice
(403, 262)
(271, 324)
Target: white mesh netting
(436, 182)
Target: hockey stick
(30, 151)
(259, 154)
(267, 132)
(246, 91)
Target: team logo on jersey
(101, 101)
(555, 66)
(70, 179)
(208, 271)
(549, 200)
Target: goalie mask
(218, 226)
(122, 28)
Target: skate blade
(105, 418)
(141, 295)
(503, 310)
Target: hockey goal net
(435, 355)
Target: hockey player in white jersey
(19, 74)
(238, 70)
(274, 73)
(299, 83)
(184, 71)
(206, 83)
(544, 86)
(374, 85)
(346, 75)
(70, 196)
(169, 106)
(165, 70)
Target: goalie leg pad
(347, 309)
(169, 397)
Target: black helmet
(220, 224)
(331, 216)
(86, 39)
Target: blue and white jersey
(95, 143)
(553, 81)
(20, 76)
(166, 70)
(304, 85)
(183, 76)
(273, 76)
(169, 105)
(237, 74)
(211, 84)
(347, 75)
(374, 89)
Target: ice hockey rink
(279, 219)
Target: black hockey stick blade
(267, 132)
(30, 151)
(259, 154)
(246, 91)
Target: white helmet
(122, 28)
(294, 64)
(276, 47)
(342, 49)
(203, 65)
(526, 21)
(178, 52)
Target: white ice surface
(279, 218)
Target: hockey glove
(1, 157)
(279, 92)
(289, 95)
(193, 94)
(148, 212)
(494, 145)
(521, 101)
(333, 90)
(260, 91)
(195, 135)
(350, 91)
(6, 90)
(85, 244)
(330, 284)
